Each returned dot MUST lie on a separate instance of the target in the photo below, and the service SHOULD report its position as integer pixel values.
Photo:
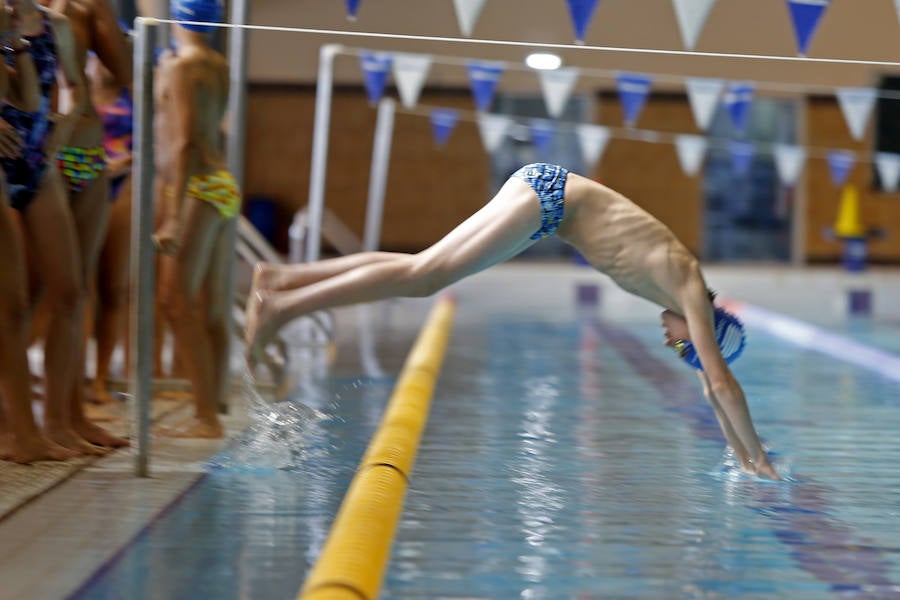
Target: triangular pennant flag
(352, 6)
(375, 67)
(633, 90)
(410, 71)
(592, 139)
(805, 15)
(581, 11)
(857, 105)
(691, 16)
(543, 131)
(789, 162)
(443, 120)
(493, 129)
(888, 165)
(738, 99)
(467, 12)
(703, 94)
(741, 156)
(691, 150)
(840, 162)
(557, 86)
(483, 77)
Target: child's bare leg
(90, 209)
(273, 276)
(20, 439)
(497, 232)
(112, 293)
(180, 279)
(54, 246)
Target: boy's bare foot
(32, 449)
(99, 394)
(99, 436)
(69, 438)
(259, 330)
(193, 428)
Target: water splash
(282, 434)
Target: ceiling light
(543, 61)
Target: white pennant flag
(857, 105)
(789, 162)
(692, 15)
(493, 129)
(467, 12)
(703, 94)
(691, 150)
(592, 139)
(888, 165)
(557, 86)
(410, 71)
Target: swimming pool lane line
(809, 336)
(352, 562)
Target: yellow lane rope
(352, 562)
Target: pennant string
(648, 135)
(611, 74)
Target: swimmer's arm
(23, 91)
(181, 127)
(72, 86)
(111, 44)
(722, 389)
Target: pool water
(573, 458)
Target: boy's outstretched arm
(721, 388)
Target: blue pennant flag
(375, 67)
(443, 120)
(806, 15)
(543, 131)
(741, 156)
(581, 12)
(738, 99)
(633, 91)
(840, 162)
(352, 6)
(483, 78)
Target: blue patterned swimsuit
(24, 174)
(549, 183)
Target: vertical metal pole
(381, 158)
(237, 130)
(143, 256)
(316, 201)
(237, 93)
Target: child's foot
(99, 394)
(99, 436)
(259, 330)
(193, 428)
(32, 449)
(70, 439)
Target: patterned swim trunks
(218, 188)
(549, 183)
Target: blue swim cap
(729, 335)
(207, 11)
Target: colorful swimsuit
(80, 166)
(218, 188)
(117, 132)
(24, 174)
(549, 183)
